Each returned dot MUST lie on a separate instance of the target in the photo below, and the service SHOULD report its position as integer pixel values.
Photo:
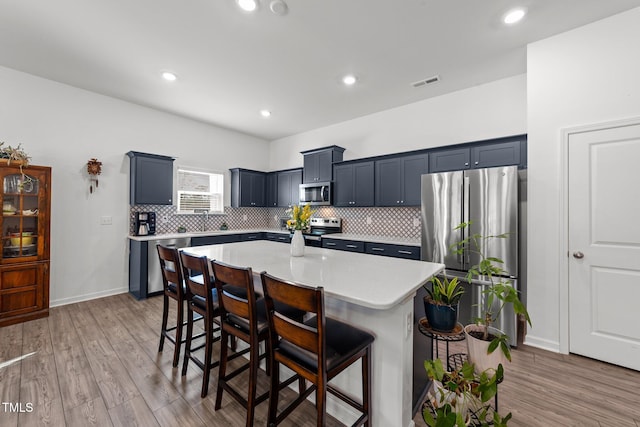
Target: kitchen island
(371, 292)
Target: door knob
(578, 255)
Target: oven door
(316, 193)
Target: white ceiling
(231, 64)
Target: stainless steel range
(320, 227)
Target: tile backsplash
(393, 221)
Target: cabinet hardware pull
(377, 249)
(330, 244)
(352, 246)
(405, 252)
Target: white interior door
(604, 244)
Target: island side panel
(392, 363)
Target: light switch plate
(106, 220)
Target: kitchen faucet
(205, 216)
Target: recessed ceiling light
(349, 79)
(169, 76)
(248, 5)
(265, 113)
(279, 7)
(514, 16)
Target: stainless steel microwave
(318, 193)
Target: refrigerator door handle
(466, 231)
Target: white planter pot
(477, 350)
(297, 244)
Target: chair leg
(254, 364)
(273, 393)
(366, 379)
(208, 350)
(179, 325)
(165, 315)
(222, 369)
(187, 346)
(321, 402)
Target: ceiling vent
(427, 81)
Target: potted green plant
(14, 155)
(441, 303)
(459, 398)
(482, 338)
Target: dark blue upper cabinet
(318, 163)
(499, 154)
(353, 184)
(398, 180)
(288, 187)
(248, 188)
(485, 154)
(450, 160)
(272, 189)
(151, 179)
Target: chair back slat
(195, 271)
(307, 336)
(296, 333)
(236, 294)
(170, 267)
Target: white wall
(63, 127)
(589, 75)
(487, 111)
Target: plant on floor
(458, 398)
(500, 290)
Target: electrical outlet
(369, 220)
(409, 324)
(416, 222)
(244, 217)
(164, 219)
(106, 220)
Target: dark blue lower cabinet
(278, 237)
(397, 251)
(343, 245)
(251, 236)
(214, 240)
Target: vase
(297, 244)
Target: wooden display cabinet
(24, 259)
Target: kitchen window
(198, 191)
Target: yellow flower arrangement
(300, 217)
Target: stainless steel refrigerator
(489, 199)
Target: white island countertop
(370, 281)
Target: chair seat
(342, 342)
(201, 302)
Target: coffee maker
(145, 223)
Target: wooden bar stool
(174, 289)
(239, 318)
(317, 349)
(202, 298)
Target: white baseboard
(87, 297)
(542, 343)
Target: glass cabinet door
(21, 232)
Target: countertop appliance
(489, 199)
(320, 227)
(145, 223)
(316, 194)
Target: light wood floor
(96, 363)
